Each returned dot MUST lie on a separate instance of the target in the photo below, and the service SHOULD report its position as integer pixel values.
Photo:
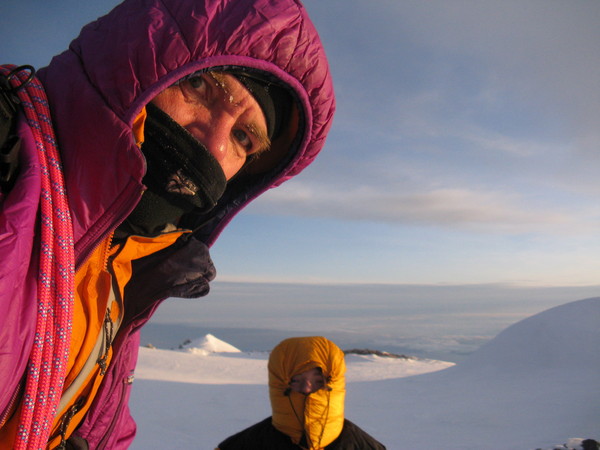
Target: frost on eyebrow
(222, 83)
(264, 141)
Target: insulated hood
(314, 420)
(120, 62)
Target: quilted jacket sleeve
(18, 269)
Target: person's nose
(214, 131)
(306, 387)
(217, 137)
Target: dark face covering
(181, 176)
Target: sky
(464, 148)
(535, 386)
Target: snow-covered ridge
(535, 386)
(208, 344)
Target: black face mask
(181, 176)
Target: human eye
(197, 89)
(243, 139)
(198, 83)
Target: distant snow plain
(535, 386)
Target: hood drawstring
(305, 435)
(326, 413)
(305, 438)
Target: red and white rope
(49, 356)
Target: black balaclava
(181, 176)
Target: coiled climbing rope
(49, 356)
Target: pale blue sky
(465, 148)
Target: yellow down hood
(312, 421)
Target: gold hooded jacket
(316, 420)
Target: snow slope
(536, 385)
(209, 344)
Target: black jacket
(264, 436)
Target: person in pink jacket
(169, 117)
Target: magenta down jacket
(96, 89)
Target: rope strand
(48, 359)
